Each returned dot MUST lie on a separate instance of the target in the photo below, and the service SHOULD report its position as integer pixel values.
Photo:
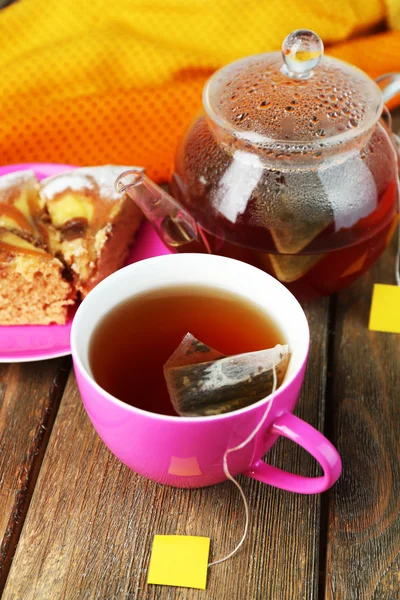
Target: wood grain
(29, 397)
(91, 522)
(363, 555)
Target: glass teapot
(291, 167)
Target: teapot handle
(390, 87)
(389, 84)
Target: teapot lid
(297, 96)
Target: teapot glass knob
(302, 50)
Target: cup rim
(78, 363)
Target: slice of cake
(58, 239)
(33, 288)
(89, 225)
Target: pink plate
(20, 343)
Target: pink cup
(188, 452)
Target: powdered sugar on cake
(58, 184)
(105, 177)
(87, 178)
(16, 178)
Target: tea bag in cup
(202, 381)
(191, 351)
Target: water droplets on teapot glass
(290, 167)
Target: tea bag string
(397, 262)
(231, 478)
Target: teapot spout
(171, 221)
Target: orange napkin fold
(117, 82)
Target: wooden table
(77, 524)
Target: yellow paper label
(385, 308)
(179, 560)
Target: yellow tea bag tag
(385, 308)
(179, 560)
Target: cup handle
(311, 440)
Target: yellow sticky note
(180, 560)
(385, 308)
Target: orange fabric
(94, 82)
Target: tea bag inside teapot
(295, 209)
(289, 268)
(297, 206)
(202, 381)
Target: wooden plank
(363, 555)
(89, 530)
(29, 397)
